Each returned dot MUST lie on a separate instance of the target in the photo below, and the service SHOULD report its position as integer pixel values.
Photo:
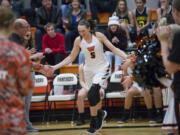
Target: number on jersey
(92, 52)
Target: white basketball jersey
(93, 52)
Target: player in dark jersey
(142, 16)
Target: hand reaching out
(47, 70)
(65, 20)
(37, 56)
(31, 51)
(127, 82)
(78, 19)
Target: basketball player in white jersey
(85, 82)
(96, 65)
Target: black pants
(102, 6)
(177, 110)
(53, 59)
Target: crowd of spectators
(135, 23)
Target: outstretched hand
(47, 70)
(37, 56)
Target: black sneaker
(102, 114)
(91, 131)
(80, 122)
(150, 116)
(152, 121)
(159, 119)
(159, 116)
(125, 117)
(93, 125)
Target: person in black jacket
(118, 38)
(35, 4)
(47, 13)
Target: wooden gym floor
(111, 127)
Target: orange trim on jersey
(91, 49)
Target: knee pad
(93, 95)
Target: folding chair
(63, 80)
(115, 79)
(41, 81)
(114, 88)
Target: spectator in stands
(35, 4)
(127, 22)
(66, 5)
(117, 37)
(21, 26)
(28, 44)
(133, 89)
(101, 6)
(71, 21)
(30, 13)
(142, 16)
(6, 4)
(53, 46)
(17, 6)
(27, 40)
(165, 11)
(46, 13)
(85, 82)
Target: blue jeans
(27, 104)
(38, 38)
(81, 58)
(117, 59)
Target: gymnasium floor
(138, 127)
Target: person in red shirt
(53, 46)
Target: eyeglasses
(24, 26)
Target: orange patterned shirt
(15, 83)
